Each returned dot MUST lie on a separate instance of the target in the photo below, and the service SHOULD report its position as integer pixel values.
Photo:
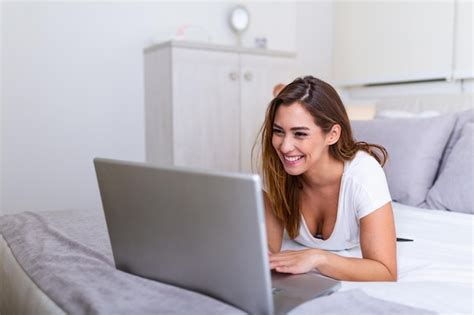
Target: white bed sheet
(435, 271)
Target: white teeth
(292, 158)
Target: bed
(58, 262)
(435, 270)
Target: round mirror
(239, 19)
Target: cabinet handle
(248, 76)
(233, 76)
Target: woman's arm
(274, 227)
(378, 245)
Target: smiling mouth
(292, 159)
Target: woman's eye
(277, 131)
(300, 134)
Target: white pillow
(453, 190)
(414, 150)
(389, 113)
(462, 118)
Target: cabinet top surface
(215, 47)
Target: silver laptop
(200, 230)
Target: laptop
(200, 230)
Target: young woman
(326, 190)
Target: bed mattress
(435, 270)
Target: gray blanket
(68, 255)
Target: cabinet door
(259, 74)
(206, 109)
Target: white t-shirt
(363, 190)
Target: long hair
(322, 101)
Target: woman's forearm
(353, 269)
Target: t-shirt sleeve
(372, 189)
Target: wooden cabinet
(204, 104)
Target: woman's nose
(286, 144)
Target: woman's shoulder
(363, 171)
(362, 165)
(366, 184)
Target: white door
(259, 74)
(206, 109)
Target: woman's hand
(299, 261)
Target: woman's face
(299, 142)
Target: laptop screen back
(204, 231)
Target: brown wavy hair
(322, 101)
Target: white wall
(73, 83)
(314, 38)
(387, 41)
(385, 53)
